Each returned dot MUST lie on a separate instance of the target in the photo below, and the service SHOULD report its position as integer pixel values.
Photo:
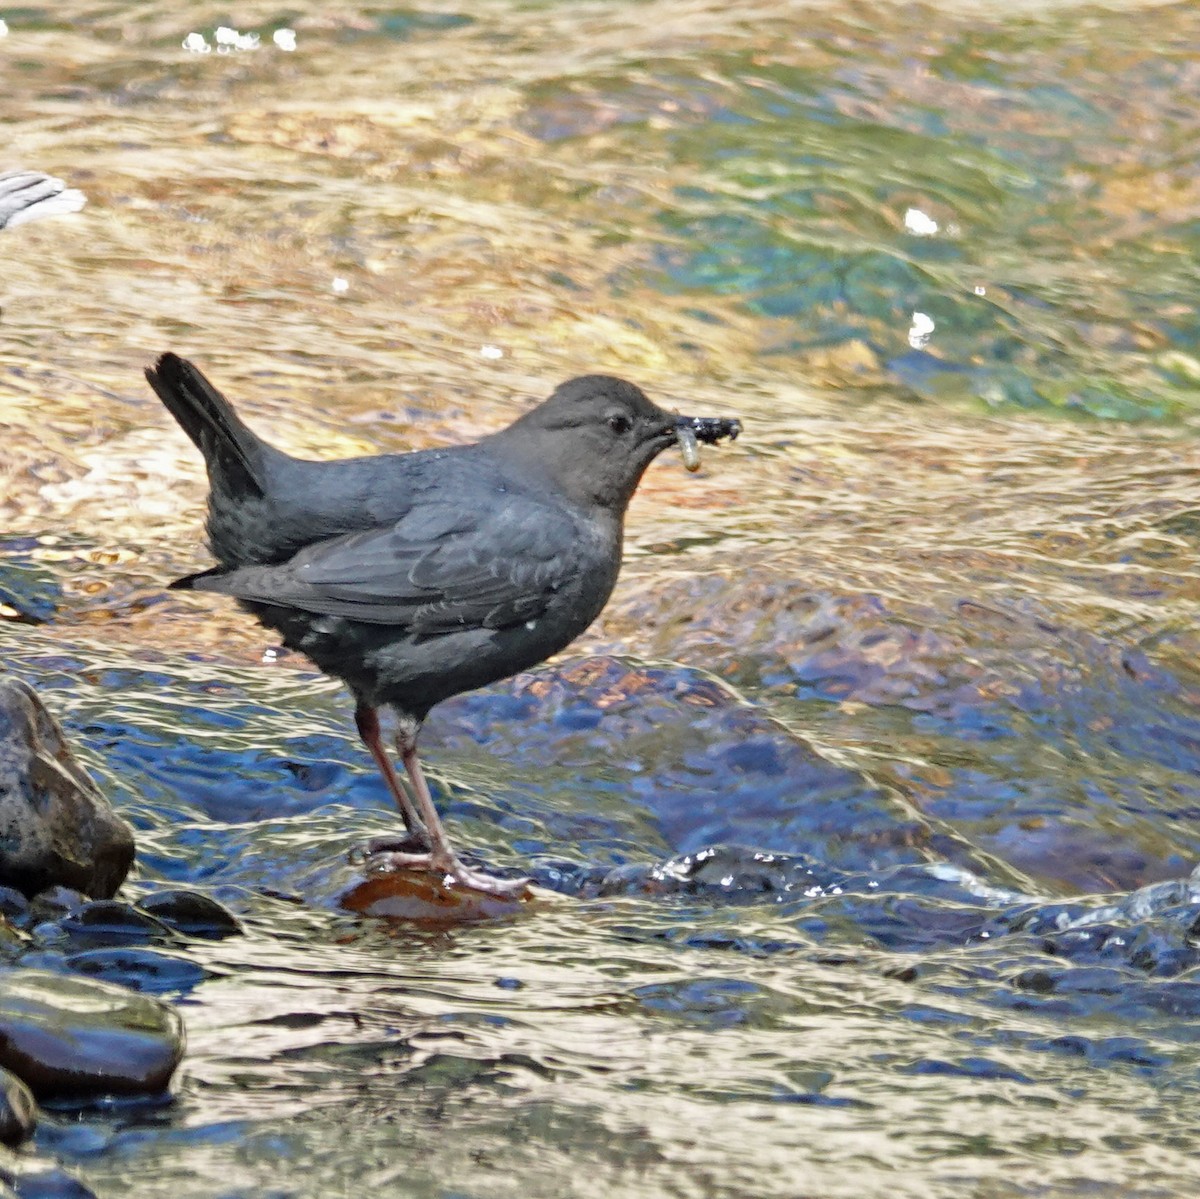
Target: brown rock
(422, 898)
(56, 828)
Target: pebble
(74, 1037)
(114, 920)
(192, 913)
(143, 970)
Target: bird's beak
(691, 430)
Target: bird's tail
(230, 449)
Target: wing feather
(442, 567)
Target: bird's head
(595, 436)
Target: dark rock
(18, 1110)
(144, 970)
(13, 942)
(55, 825)
(192, 913)
(111, 920)
(54, 903)
(74, 1037)
(29, 593)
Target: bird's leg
(441, 858)
(367, 720)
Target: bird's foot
(415, 841)
(449, 867)
(479, 880)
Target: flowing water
(870, 803)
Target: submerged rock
(145, 970)
(56, 828)
(54, 903)
(192, 913)
(27, 1179)
(112, 920)
(728, 870)
(74, 1037)
(13, 905)
(60, 917)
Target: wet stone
(111, 919)
(56, 828)
(69, 1037)
(143, 970)
(53, 903)
(28, 593)
(422, 898)
(192, 913)
(18, 1110)
(13, 942)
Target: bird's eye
(619, 423)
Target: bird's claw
(450, 869)
(415, 841)
(477, 880)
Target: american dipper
(412, 577)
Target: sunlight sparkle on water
(919, 224)
(228, 39)
(921, 331)
(944, 745)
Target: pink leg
(442, 859)
(367, 720)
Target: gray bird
(413, 577)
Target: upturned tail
(234, 455)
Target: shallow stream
(870, 804)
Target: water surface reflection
(915, 659)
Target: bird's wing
(440, 568)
